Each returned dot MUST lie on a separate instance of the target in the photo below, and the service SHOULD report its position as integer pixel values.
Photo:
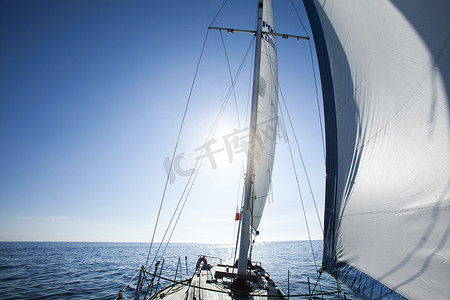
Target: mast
(248, 193)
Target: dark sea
(43, 270)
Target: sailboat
(384, 69)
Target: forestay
(387, 116)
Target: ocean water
(45, 270)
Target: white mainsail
(262, 134)
(266, 117)
(388, 183)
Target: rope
(317, 101)
(176, 147)
(298, 16)
(295, 135)
(197, 166)
(315, 81)
(271, 64)
(231, 78)
(301, 199)
(249, 96)
(217, 14)
(302, 160)
(131, 280)
(319, 114)
(239, 126)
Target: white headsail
(388, 132)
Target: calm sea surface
(100, 270)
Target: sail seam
(401, 211)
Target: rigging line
(214, 127)
(231, 78)
(220, 10)
(317, 101)
(300, 19)
(302, 160)
(179, 134)
(239, 125)
(176, 147)
(274, 75)
(239, 196)
(242, 160)
(315, 81)
(237, 200)
(188, 185)
(300, 194)
(211, 133)
(272, 71)
(297, 143)
(185, 200)
(129, 282)
(170, 222)
(249, 91)
(238, 233)
(181, 210)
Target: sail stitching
(401, 211)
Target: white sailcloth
(266, 118)
(390, 64)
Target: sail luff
(330, 135)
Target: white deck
(214, 284)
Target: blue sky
(91, 98)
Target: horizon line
(141, 242)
